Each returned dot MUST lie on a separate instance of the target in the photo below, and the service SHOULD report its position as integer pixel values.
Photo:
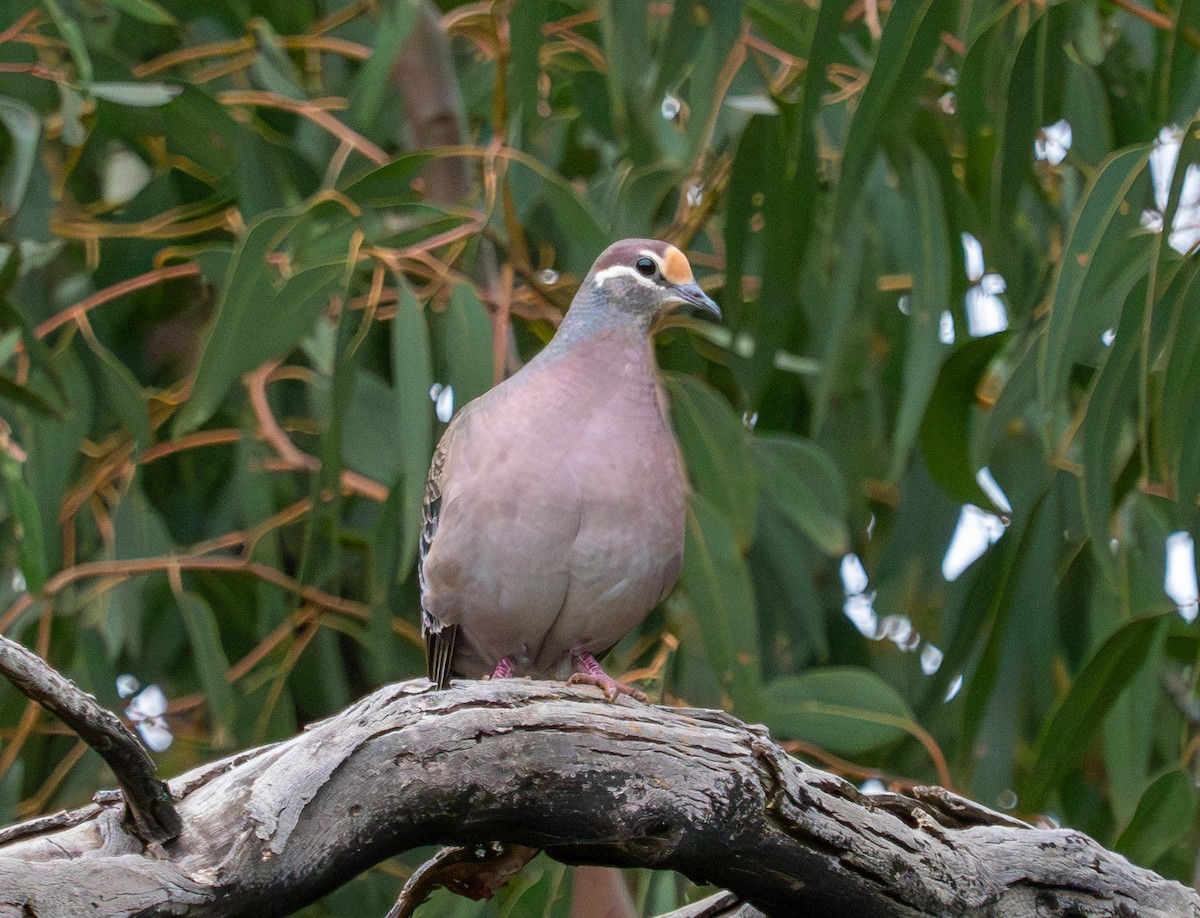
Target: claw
(592, 673)
(504, 669)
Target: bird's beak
(692, 294)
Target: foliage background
(230, 280)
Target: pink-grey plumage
(554, 509)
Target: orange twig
(291, 457)
(848, 769)
(315, 111)
(222, 437)
(19, 26)
(196, 53)
(350, 49)
(761, 44)
(113, 292)
(1155, 18)
(140, 566)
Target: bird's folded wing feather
(439, 637)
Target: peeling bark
(556, 767)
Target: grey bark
(558, 768)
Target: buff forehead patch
(675, 267)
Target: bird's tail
(439, 653)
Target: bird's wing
(439, 637)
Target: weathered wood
(556, 767)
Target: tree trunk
(541, 764)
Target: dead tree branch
(557, 768)
(149, 813)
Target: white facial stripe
(602, 276)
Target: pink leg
(503, 669)
(592, 673)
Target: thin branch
(1155, 18)
(150, 814)
(140, 566)
(114, 292)
(315, 111)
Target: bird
(554, 510)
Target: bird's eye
(646, 267)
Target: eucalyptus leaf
(139, 95)
(845, 710)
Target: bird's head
(647, 278)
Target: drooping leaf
(946, 430)
(24, 128)
(136, 94)
(123, 391)
(27, 523)
(718, 587)
(258, 316)
(464, 344)
(1106, 442)
(930, 301)
(211, 662)
(802, 483)
(1066, 736)
(146, 11)
(1162, 819)
(911, 35)
(1102, 254)
(412, 413)
(714, 447)
(845, 710)
(373, 82)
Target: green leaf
(211, 662)
(24, 128)
(1032, 89)
(193, 114)
(843, 709)
(801, 481)
(258, 317)
(946, 429)
(1163, 817)
(146, 11)
(124, 392)
(581, 235)
(708, 57)
(1106, 443)
(1101, 255)
(718, 586)
(26, 521)
(714, 444)
(54, 446)
(911, 36)
(72, 34)
(1129, 735)
(843, 297)
(412, 414)
(524, 66)
(73, 131)
(373, 84)
(370, 447)
(930, 299)
(40, 355)
(465, 344)
(139, 95)
(23, 395)
(1176, 93)
(1078, 718)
